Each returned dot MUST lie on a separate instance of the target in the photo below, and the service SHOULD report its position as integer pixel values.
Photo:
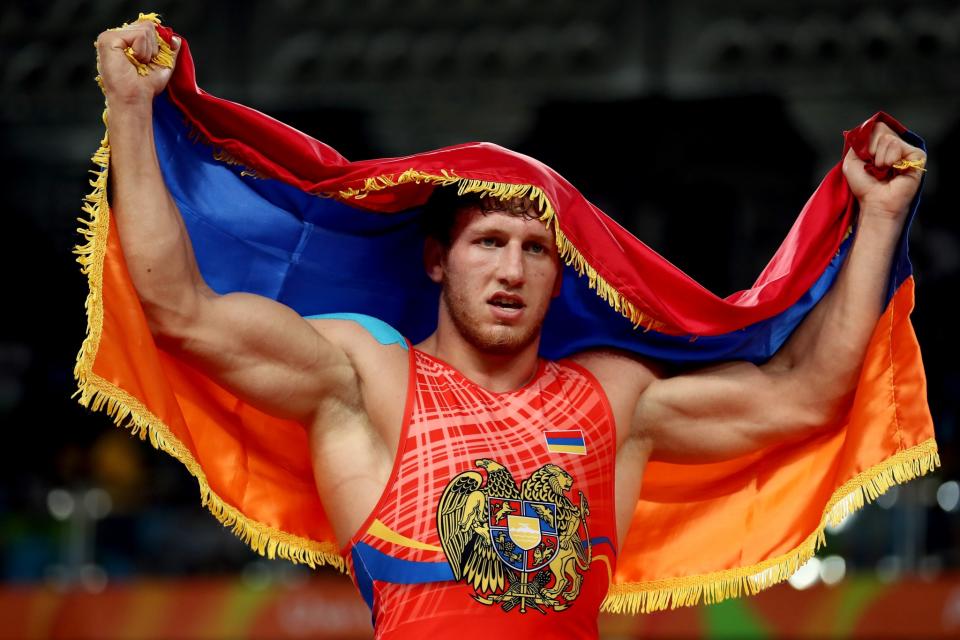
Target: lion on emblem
(550, 482)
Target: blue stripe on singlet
(386, 568)
(598, 541)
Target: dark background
(701, 126)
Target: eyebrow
(541, 232)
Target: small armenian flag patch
(567, 441)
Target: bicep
(721, 412)
(264, 352)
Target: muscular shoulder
(373, 346)
(623, 377)
(380, 357)
(618, 371)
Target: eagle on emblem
(462, 523)
(515, 545)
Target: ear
(433, 259)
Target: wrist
(123, 112)
(883, 228)
(870, 212)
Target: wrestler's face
(498, 275)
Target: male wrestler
(499, 269)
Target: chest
(551, 443)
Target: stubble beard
(498, 340)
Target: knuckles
(890, 138)
(130, 34)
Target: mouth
(506, 302)
(506, 308)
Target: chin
(503, 342)
(500, 340)
(495, 339)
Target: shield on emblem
(523, 532)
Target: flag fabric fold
(272, 211)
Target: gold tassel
(670, 593)
(221, 155)
(903, 165)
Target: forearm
(823, 358)
(155, 242)
(736, 408)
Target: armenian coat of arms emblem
(518, 547)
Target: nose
(510, 267)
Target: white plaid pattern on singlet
(455, 422)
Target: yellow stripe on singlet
(379, 530)
(382, 531)
(606, 561)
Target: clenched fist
(887, 198)
(123, 85)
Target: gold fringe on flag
(570, 255)
(685, 591)
(99, 394)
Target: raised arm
(261, 350)
(735, 408)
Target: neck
(496, 372)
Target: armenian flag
(566, 441)
(272, 211)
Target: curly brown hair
(445, 204)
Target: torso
(521, 439)
(358, 449)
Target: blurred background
(700, 126)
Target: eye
(536, 247)
(487, 242)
